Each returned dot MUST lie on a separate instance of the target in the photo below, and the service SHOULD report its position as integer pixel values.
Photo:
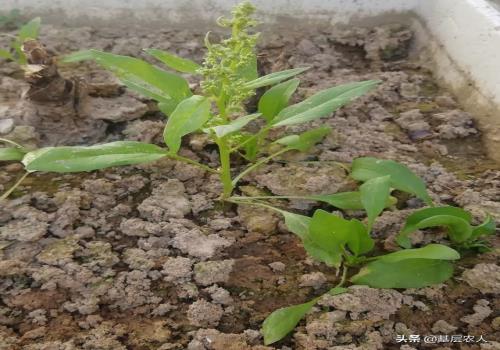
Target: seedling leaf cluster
(28, 31)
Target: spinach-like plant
(28, 31)
(229, 78)
(343, 244)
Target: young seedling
(457, 222)
(29, 31)
(344, 244)
(229, 78)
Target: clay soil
(145, 257)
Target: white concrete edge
(461, 40)
(175, 11)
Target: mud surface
(145, 257)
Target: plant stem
(225, 170)
(273, 197)
(258, 164)
(11, 142)
(16, 185)
(261, 133)
(193, 162)
(343, 277)
(236, 200)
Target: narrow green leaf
(282, 321)
(77, 159)
(306, 140)
(274, 78)
(347, 200)
(430, 251)
(189, 116)
(276, 98)
(410, 273)
(11, 153)
(6, 54)
(338, 291)
(402, 178)
(79, 56)
(175, 62)
(233, 126)
(29, 30)
(374, 195)
(488, 227)
(296, 223)
(459, 230)
(411, 224)
(323, 103)
(151, 81)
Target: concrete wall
(459, 38)
(165, 11)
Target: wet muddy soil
(145, 257)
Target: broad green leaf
(488, 227)
(282, 321)
(410, 273)
(233, 126)
(296, 223)
(459, 230)
(346, 200)
(151, 81)
(402, 178)
(374, 195)
(175, 62)
(333, 232)
(77, 159)
(304, 141)
(6, 54)
(415, 218)
(430, 251)
(11, 153)
(359, 241)
(323, 103)
(274, 78)
(276, 98)
(189, 116)
(327, 236)
(29, 30)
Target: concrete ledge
(178, 11)
(461, 40)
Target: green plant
(458, 224)
(28, 31)
(344, 244)
(229, 78)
